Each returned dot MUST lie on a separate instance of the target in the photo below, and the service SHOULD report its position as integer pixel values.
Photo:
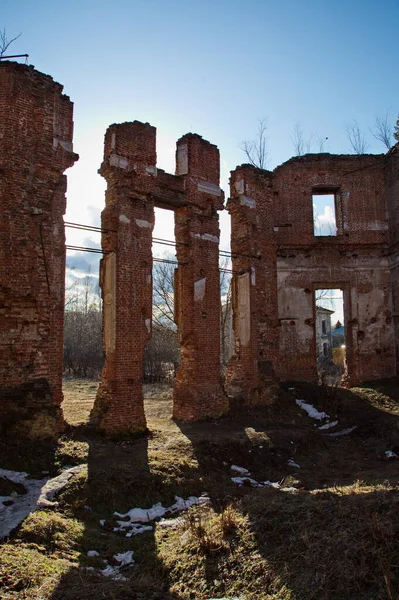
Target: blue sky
(212, 67)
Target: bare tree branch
(396, 132)
(257, 151)
(5, 43)
(383, 131)
(301, 145)
(356, 137)
(321, 141)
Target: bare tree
(83, 354)
(356, 137)
(226, 312)
(321, 141)
(5, 43)
(163, 295)
(256, 150)
(301, 144)
(383, 131)
(396, 132)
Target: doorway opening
(330, 335)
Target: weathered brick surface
(135, 186)
(250, 374)
(392, 188)
(198, 390)
(126, 275)
(360, 260)
(35, 149)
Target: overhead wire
(156, 240)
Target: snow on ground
(248, 481)
(239, 470)
(328, 425)
(292, 463)
(39, 493)
(137, 516)
(342, 432)
(312, 411)
(124, 559)
(390, 454)
(170, 523)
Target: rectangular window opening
(324, 213)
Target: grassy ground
(334, 539)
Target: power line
(85, 249)
(161, 241)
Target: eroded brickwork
(198, 390)
(35, 149)
(360, 260)
(392, 188)
(126, 274)
(250, 375)
(135, 186)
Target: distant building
(323, 331)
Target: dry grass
(336, 539)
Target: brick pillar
(198, 391)
(35, 149)
(250, 375)
(126, 275)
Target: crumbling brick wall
(392, 189)
(35, 149)
(250, 375)
(135, 186)
(126, 274)
(355, 260)
(198, 391)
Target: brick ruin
(278, 263)
(134, 187)
(35, 149)
(274, 318)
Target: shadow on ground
(336, 538)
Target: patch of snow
(93, 553)
(312, 412)
(253, 483)
(170, 523)
(292, 463)
(390, 454)
(245, 481)
(135, 528)
(113, 572)
(125, 558)
(137, 516)
(240, 470)
(343, 432)
(39, 493)
(328, 425)
(102, 522)
(53, 486)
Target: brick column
(250, 375)
(198, 392)
(35, 149)
(126, 275)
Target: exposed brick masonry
(360, 260)
(135, 186)
(277, 266)
(35, 149)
